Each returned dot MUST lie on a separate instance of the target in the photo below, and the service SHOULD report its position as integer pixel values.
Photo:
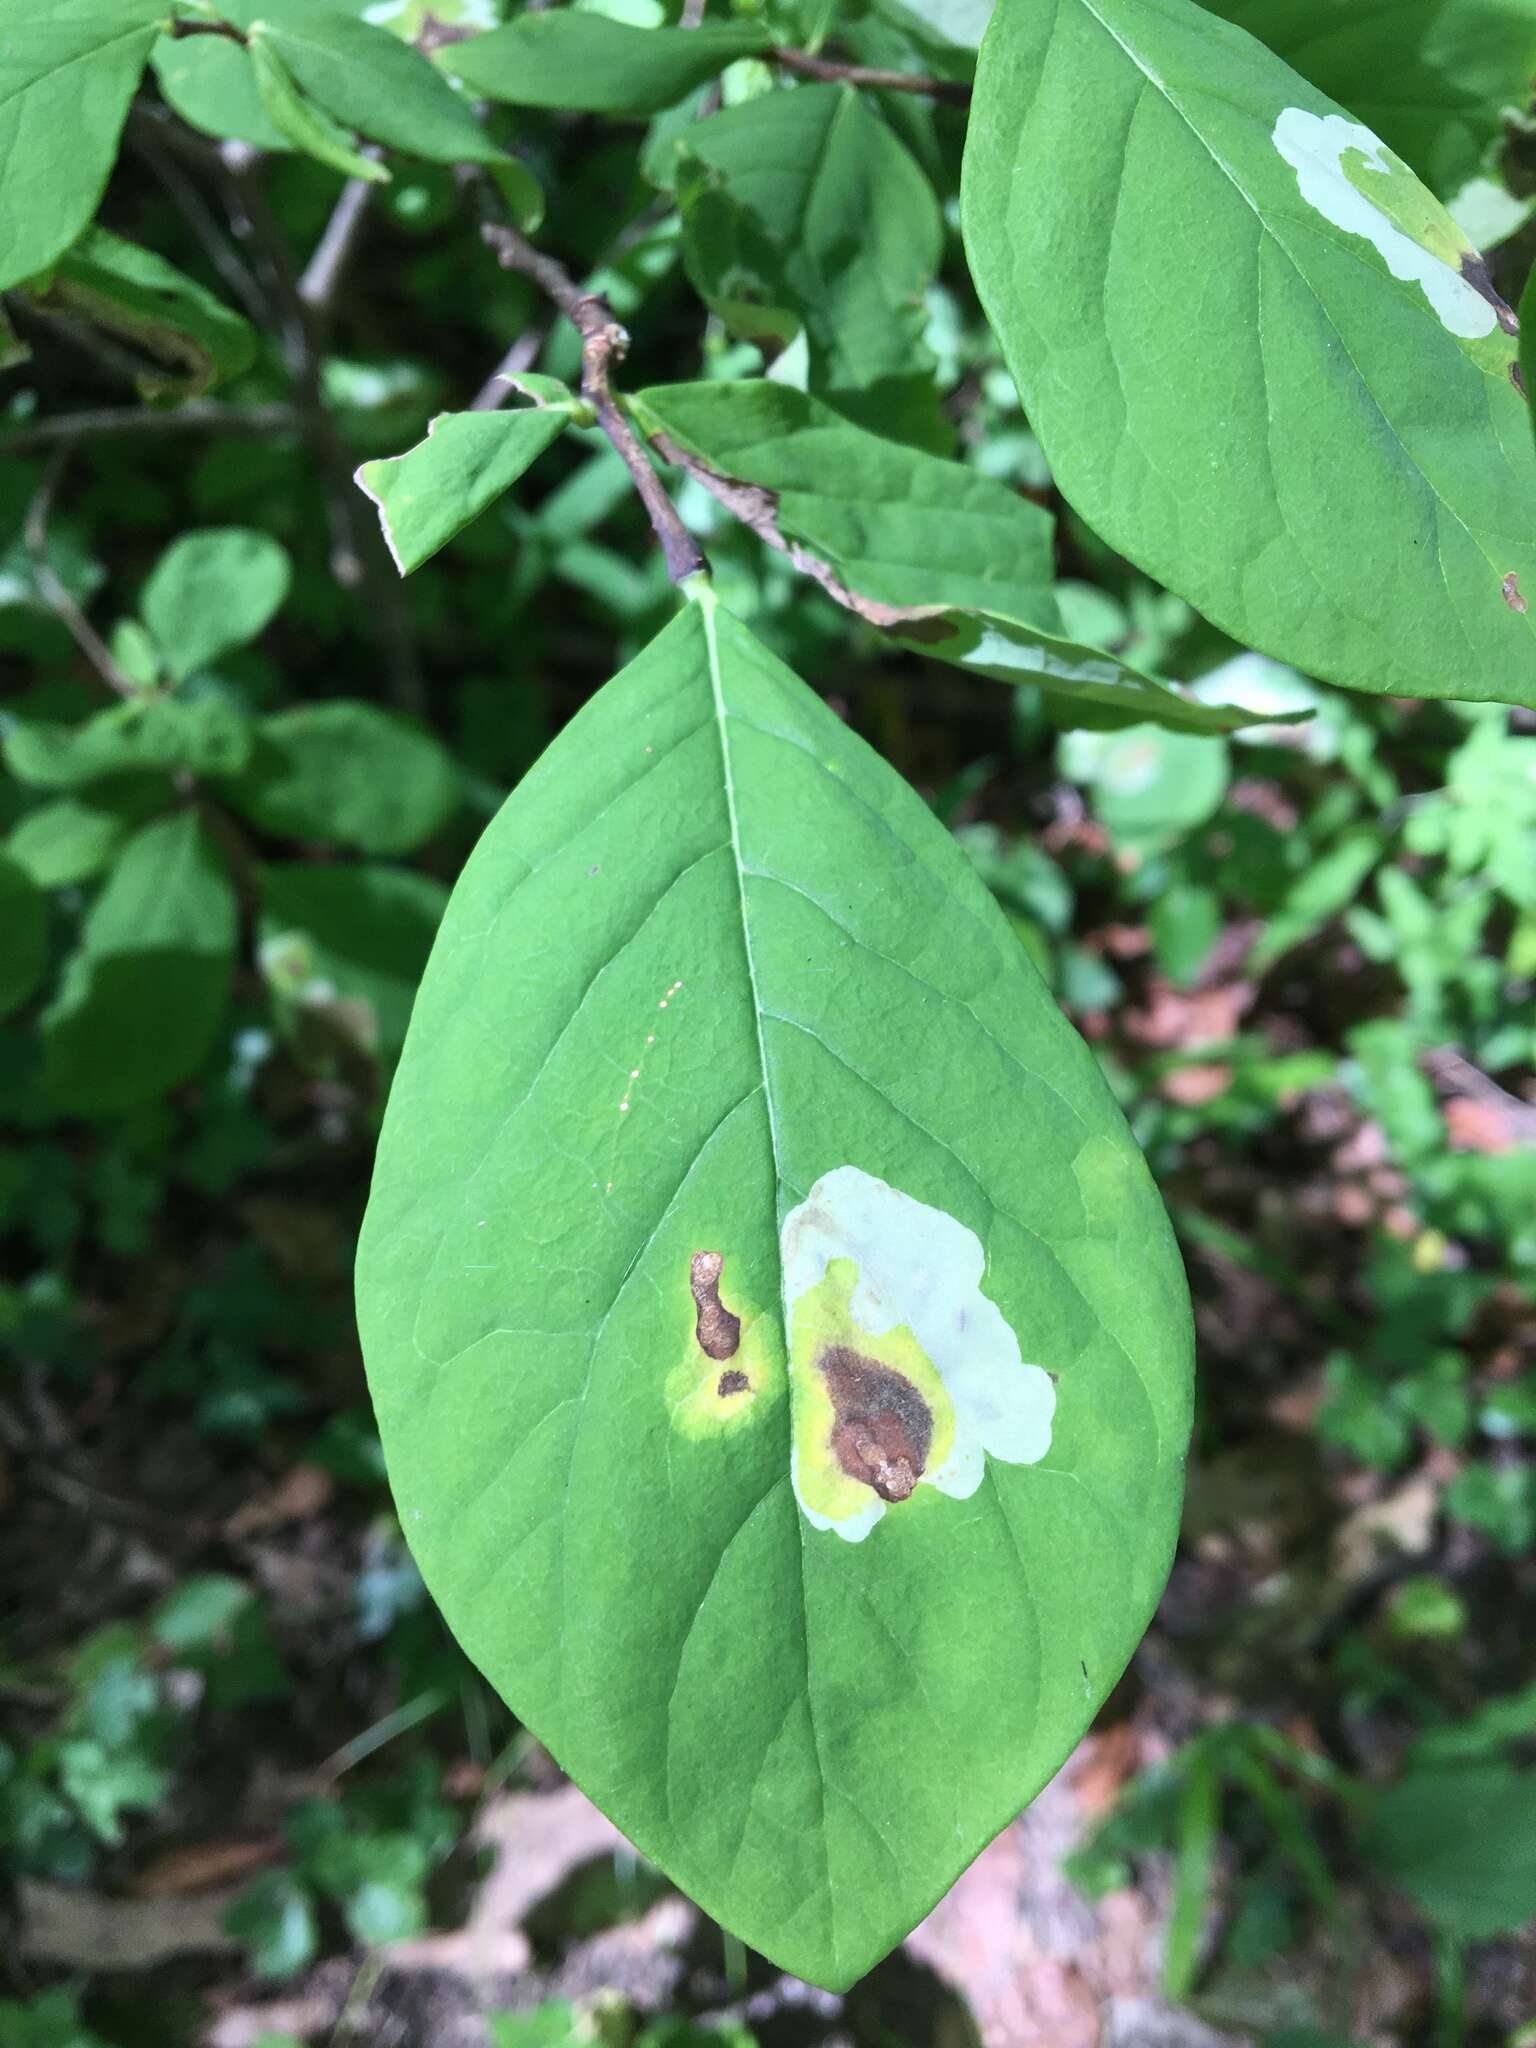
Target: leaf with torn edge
(952, 563)
(593, 64)
(468, 459)
(781, 1355)
(1263, 361)
(130, 292)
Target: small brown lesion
(1476, 273)
(882, 1427)
(1513, 596)
(717, 1331)
(733, 1382)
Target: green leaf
(275, 1921)
(720, 1034)
(1149, 786)
(365, 931)
(802, 209)
(23, 935)
(137, 296)
(71, 839)
(145, 734)
(1430, 77)
(144, 994)
(369, 80)
(347, 774)
(1462, 1844)
(593, 64)
(1261, 359)
(305, 125)
(907, 535)
(898, 525)
(65, 84)
(212, 591)
(468, 459)
(1528, 337)
(211, 82)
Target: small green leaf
(1430, 77)
(468, 459)
(211, 82)
(305, 125)
(593, 64)
(1149, 785)
(347, 774)
(212, 591)
(802, 209)
(274, 1920)
(144, 994)
(1462, 1844)
(369, 80)
(65, 84)
(157, 735)
(366, 930)
(71, 839)
(138, 297)
(23, 935)
(1262, 360)
(766, 1263)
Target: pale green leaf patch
(431, 492)
(780, 1354)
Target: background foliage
(244, 763)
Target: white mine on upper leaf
(1314, 145)
(918, 1270)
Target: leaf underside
(714, 955)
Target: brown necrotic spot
(882, 1427)
(1512, 593)
(1476, 273)
(733, 1382)
(717, 1330)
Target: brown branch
(603, 343)
(183, 26)
(337, 244)
(949, 91)
(198, 417)
(51, 587)
(521, 356)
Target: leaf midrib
(708, 606)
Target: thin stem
(360, 558)
(951, 92)
(148, 132)
(196, 417)
(332, 253)
(603, 343)
(51, 587)
(522, 355)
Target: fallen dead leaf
(200, 1865)
(298, 1496)
(81, 1930)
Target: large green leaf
(67, 73)
(1262, 360)
(144, 994)
(781, 1354)
(803, 210)
(1430, 77)
(903, 531)
(591, 63)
